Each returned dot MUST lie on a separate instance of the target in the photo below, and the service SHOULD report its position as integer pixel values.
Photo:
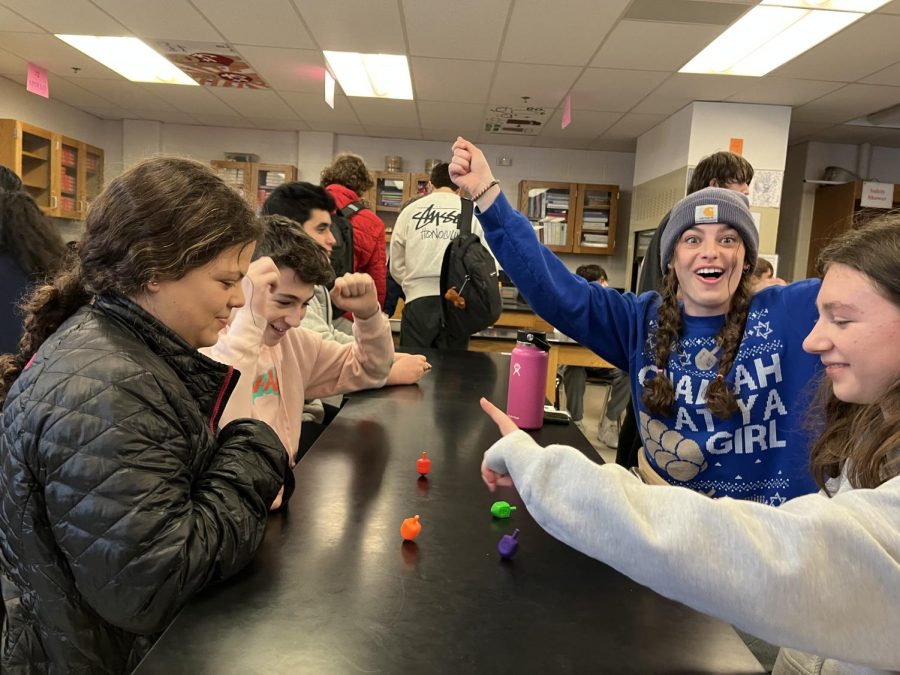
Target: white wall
(664, 148)
(764, 129)
(885, 165)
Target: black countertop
(333, 589)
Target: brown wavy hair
(864, 438)
(659, 394)
(350, 171)
(156, 222)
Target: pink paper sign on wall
(37, 82)
(567, 112)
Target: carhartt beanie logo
(708, 206)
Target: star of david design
(762, 330)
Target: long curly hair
(863, 438)
(29, 237)
(157, 221)
(350, 171)
(659, 394)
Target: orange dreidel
(423, 464)
(410, 528)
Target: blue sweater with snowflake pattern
(761, 452)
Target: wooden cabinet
(837, 209)
(572, 217)
(255, 181)
(62, 174)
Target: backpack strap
(465, 216)
(351, 209)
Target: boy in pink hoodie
(281, 364)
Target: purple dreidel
(508, 544)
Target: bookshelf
(62, 174)
(255, 181)
(572, 217)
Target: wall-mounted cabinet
(255, 181)
(837, 209)
(391, 191)
(572, 217)
(62, 174)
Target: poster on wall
(765, 188)
(211, 64)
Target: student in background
(31, 250)
(764, 276)
(120, 497)
(311, 206)
(575, 379)
(9, 180)
(420, 238)
(718, 373)
(346, 180)
(815, 575)
(281, 363)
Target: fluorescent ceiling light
(372, 75)
(774, 32)
(129, 57)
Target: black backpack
(469, 284)
(342, 229)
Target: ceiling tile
(177, 21)
(586, 124)
(802, 130)
(287, 69)
(69, 92)
(455, 34)
(14, 23)
(854, 100)
(393, 132)
(451, 80)
(615, 144)
(72, 17)
(872, 42)
(782, 90)
(447, 115)
(368, 26)
(255, 102)
(853, 135)
(55, 55)
(632, 125)
(167, 117)
(312, 108)
(568, 143)
(614, 90)
(890, 8)
(195, 100)
(645, 45)
(383, 112)
(889, 76)
(545, 85)
(106, 112)
(504, 139)
(10, 64)
(687, 11)
(530, 37)
(128, 95)
(272, 24)
(445, 136)
(683, 88)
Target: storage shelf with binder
(571, 217)
(62, 174)
(255, 181)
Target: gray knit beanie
(707, 206)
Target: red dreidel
(508, 545)
(423, 464)
(410, 528)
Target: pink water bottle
(528, 379)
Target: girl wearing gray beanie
(719, 379)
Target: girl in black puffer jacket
(119, 496)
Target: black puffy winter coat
(118, 499)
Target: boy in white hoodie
(282, 364)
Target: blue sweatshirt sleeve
(599, 318)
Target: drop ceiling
(617, 59)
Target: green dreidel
(502, 509)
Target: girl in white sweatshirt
(282, 364)
(819, 575)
